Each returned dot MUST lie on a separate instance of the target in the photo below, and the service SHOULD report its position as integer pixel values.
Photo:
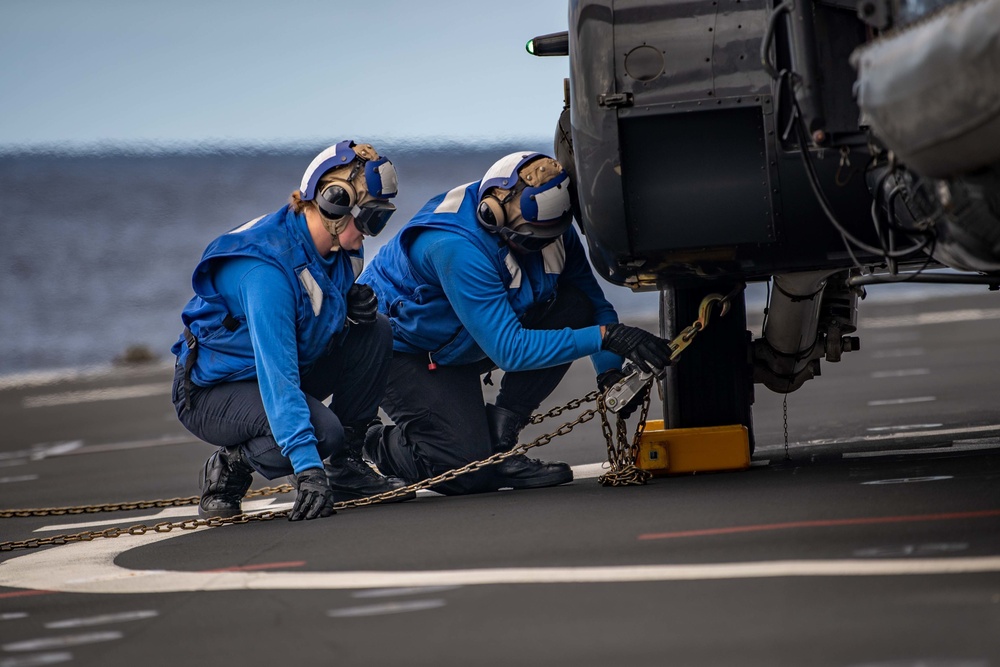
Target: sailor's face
(351, 238)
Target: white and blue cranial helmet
(525, 198)
(346, 193)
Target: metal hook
(705, 309)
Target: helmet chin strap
(335, 227)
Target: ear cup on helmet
(336, 199)
(491, 212)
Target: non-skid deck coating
(876, 542)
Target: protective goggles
(371, 217)
(526, 241)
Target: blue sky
(283, 71)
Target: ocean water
(97, 249)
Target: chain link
(137, 505)
(784, 412)
(622, 453)
(583, 417)
(191, 524)
(621, 457)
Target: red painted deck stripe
(821, 524)
(259, 566)
(23, 594)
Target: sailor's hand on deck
(315, 497)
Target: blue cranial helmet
(364, 198)
(525, 198)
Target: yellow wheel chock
(690, 450)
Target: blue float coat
(284, 324)
(455, 291)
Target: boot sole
(213, 514)
(221, 514)
(555, 479)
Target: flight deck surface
(873, 539)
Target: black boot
(520, 472)
(351, 477)
(224, 481)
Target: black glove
(362, 304)
(314, 498)
(650, 353)
(607, 379)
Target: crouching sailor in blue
(490, 274)
(277, 325)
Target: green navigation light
(555, 44)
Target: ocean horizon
(99, 240)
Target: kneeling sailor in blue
(277, 325)
(490, 275)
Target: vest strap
(192, 357)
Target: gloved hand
(362, 304)
(314, 498)
(607, 379)
(650, 353)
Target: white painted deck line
(18, 478)
(923, 450)
(901, 401)
(95, 395)
(89, 567)
(900, 352)
(940, 317)
(901, 427)
(908, 372)
(954, 433)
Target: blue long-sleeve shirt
(260, 291)
(266, 305)
(480, 299)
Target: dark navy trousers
(440, 415)
(354, 371)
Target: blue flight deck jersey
(284, 303)
(456, 292)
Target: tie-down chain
(267, 515)
(621, 458)
(622, 453)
